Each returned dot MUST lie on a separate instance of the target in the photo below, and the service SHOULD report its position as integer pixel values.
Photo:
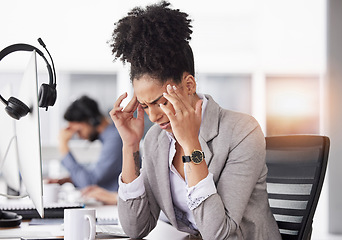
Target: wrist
(191, 147)
(64, 149)
(130, 147)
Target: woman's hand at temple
(131, 129)
(185, 122)
(185, 119)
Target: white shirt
(185, 198)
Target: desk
(162, 230)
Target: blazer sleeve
(139, 216)
(243, 166)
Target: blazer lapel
(163, 176)
(209, 127)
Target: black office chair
(296, 169)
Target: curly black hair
(155, 41)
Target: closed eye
(165, 102)
(144, 106)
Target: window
(292, 105)
(230, 91)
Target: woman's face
(149, 94)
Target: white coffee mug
(50, 192)
(79, 224)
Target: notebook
(28, 211)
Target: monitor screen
(28, 137)
(8, 147)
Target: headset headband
(27, 47)
(47, 92)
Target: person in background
(86, 121)
(202, 165)
(100, 194)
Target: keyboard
(28, 211)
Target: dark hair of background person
(83, 109)
(155, 41)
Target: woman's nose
(155, 113)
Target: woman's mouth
(164, 125)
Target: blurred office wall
(239, 47)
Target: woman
(203, 166)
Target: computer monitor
(8, 148)
(28, 137)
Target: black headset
(47, 92)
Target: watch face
(197, 156)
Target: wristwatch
(196, 157)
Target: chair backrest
(296, 169)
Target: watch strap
(186, 159)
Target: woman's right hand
(130, 129)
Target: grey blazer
(234, 148)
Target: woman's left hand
(184, 118)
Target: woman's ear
(189, 84)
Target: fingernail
(164, 93)
(174, 88)
(169, 87)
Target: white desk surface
(162, 231)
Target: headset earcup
(47, 95)
(9, 219)
(16, 108)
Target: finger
(175, 102)
(114, 111)
(85, 191)
(168, 112)
(198, 108)
(178, 100)
(183, 98)
(88, 189)
(120, 99)
(173, 92)
(135, 107)
(117, 108)
(70, 130)
(132, 105)
(140, 114)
